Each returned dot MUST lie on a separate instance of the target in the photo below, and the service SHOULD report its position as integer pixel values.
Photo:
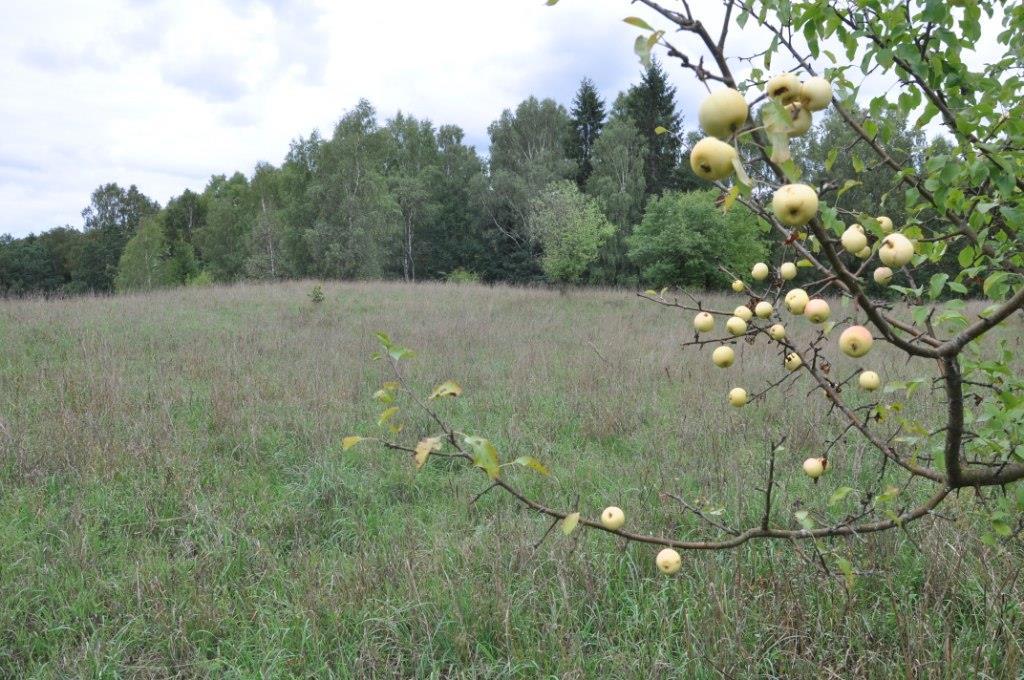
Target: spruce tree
(586, 118)
(650, 104)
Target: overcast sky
(165, 93)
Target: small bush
(460, 275)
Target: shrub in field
(966, 197)
(683, 235)
(460, 275)
(316, 296)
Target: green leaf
(847, 185)
(659, 130)
(348, 442)
(399, 353)
(386, 415)
(446, 389)
(485, 456)
(570, 523)
(791, 169)
(995, 286)
(549, 3)
(730, 198)
(642, 50)
(804, 518)
(532, 463)
(847, 568)
(937, 283)
(839, 494)
(832, 156)
(888, 495)
(741, 172)
(639, 23)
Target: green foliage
(528, 149)
(586, 120)
(618, 185)
(650, 104)
(571, 230)
(316, 296)
(684, 238)
(146, 263)
(460, 275)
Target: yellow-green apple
(795, 204)
(736, 325)
(612, 518)
(816, 93)
(784, 87)
(787, 271)
(711, 159)
(723, 356)
(793, 361)
(703, 322)
(865, 253)
(817, 310)
(854, 239)
(760, 271)
(668, 561)
(796, 300)
(885, 224)
(815, 467)
(722, 112)
(798, 120)
(883, 275)
(869, 381)
(896, 250)
(856, 341)
(738, 397)
(743, 312)
(777, 332)
(763, 309)
(738, 286)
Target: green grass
(174, 500)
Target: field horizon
(174, 500)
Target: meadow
(174, 500)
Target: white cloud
(165, 93)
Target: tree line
(591, 194)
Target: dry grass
(174, 501)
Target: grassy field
(174, 500)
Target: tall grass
(174, 500)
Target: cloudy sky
(164, 93)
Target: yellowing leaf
(660, 130)
(423, 450)
(570, 523)
(446, 389)
(741, 172)
(386, 415)
(847, 185)
(384, 396)
(348, 442)
(532, 463)
(639, 23)
(485, 456)
(730, 198)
